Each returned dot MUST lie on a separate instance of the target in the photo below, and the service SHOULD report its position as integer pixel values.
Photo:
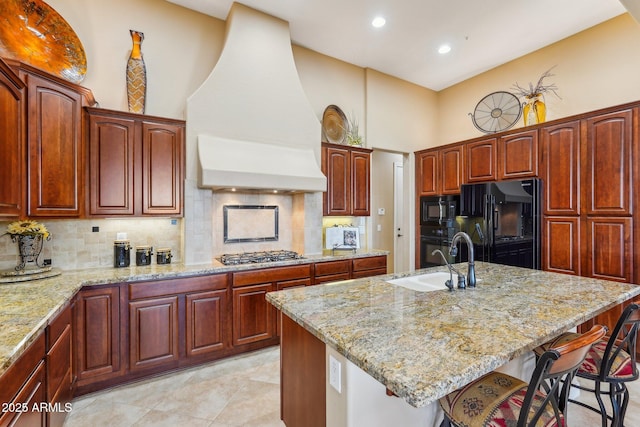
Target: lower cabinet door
(253, 316)
(153, 333)
(31, 395)
(560, 244)
(207, 322)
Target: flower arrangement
(353, 132)
(27, 227)
(539, 89)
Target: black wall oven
(437, 228)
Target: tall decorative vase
(136, 75)
(534, 110)
(29, 247)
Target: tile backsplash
(75, 245)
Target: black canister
(163, 256)
(143, 255)
(121, 253)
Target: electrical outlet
(335, 368)
(95, 229)
(47, 261)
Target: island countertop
(424, 345)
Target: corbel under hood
(254, 126)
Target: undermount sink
(424, 282)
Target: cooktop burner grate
(255, 257)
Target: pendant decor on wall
(136, 75)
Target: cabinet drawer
(270, 275)
(332, 278)
(369, 263)
(177, 286)
(369, 273)
(18, 373)
(58, 326)
(332, 268)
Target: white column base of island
(363, 401)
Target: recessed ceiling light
(445, 48)
(378, 22)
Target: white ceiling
(482, 33)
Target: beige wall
(594, 69)
(180, 48)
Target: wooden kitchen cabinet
(451, 169)
(348, 172)
(98, 347)
(607, 164)
(482, 160)
(23, 385)
(332, 271)
(427, 181)
(173, 322)
(609, 249)
(54, 143)
(518, 155)
(369, 266)
(136, 164)
(254, 319)
(560, 168)
(12, 144)
(59, 364)
(561, 250)
(153, 333)
(440, 171)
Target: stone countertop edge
(27, 307)
(382, 328)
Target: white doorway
(401, 235)
(390, 208)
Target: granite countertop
(27, 307)
(424, 345)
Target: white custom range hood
(254, 126)
(226, 164)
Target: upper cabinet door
(12, 144)
(361, 185)
(452, 161)
(338, 171)
(162, 170)
(55, 149)
(111, 161)
(606, 164)
(560, 168)
(427, 178)
(518, 154)
(482, 161)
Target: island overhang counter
(423, 345)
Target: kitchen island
(420, 346)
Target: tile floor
(241, 391)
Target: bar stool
(610, 361)
(500, 399)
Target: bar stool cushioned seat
(498, 399)
(494, 399)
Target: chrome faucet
(453, 251)
(449, 283)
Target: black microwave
(438, 209)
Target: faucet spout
(453, 250)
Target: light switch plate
(335, 368)
(381, 211)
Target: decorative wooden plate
(334, 124)
(32, 32)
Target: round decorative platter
(334, 124)
(29, 273)
(32, 32)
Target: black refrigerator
(503, 219)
